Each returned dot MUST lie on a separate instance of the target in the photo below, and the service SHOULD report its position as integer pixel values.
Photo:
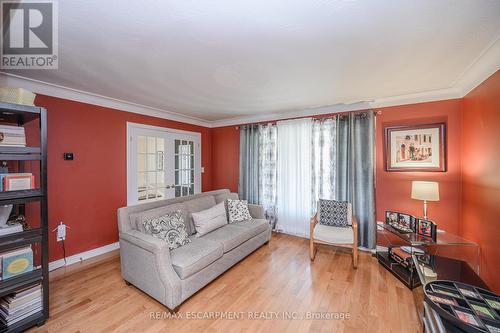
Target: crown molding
(421, 97)
(485, 65)
(50, 89)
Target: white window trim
(198, 168)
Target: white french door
(162, 163)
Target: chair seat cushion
(230, 236)
(334, 235)
(193, 257)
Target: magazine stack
(13, 136)
(20, 305)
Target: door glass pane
(141, 180)
(177, 191)
(177, 143)
(151, 144)
(184, 191)
(141, 162)
(151, 162)
(141, 144)
(151, 179)
(160, 178)
(191, 189)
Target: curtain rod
(375, 112)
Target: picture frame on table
(426, 228)
(443, 299)
(402, 222)
(416, 148)
(467, 316)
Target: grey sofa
(172, 276)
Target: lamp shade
(422, 190)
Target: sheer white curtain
(294, 176)
(267, 164)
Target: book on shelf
(12, 136)
(16, 181)
(20, 304)
(16, 262)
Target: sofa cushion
(138, 219)
(209, 219)
(238, 210)
(224, 196)
(170, 228)
(333, 235)
(193, 257)
(254, 226)
(230, 236)
(197, 205)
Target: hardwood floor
(275, 281)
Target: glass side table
(447, 245)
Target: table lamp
(426, 191)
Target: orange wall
(86, 192)
(393, 188)
(225, 157)
(480, 175)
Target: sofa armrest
(146, 263)
(145, 241)
(256, 211)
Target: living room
(250, 166)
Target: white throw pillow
(238, 211)
(209, 219)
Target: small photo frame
(446, 291)
(492, 326)
(493, 302)
(466, 316)
(468, 292)
(391, 217)
(404, 223)
(483, 310)
(426, 228)
(443, 299)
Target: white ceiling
(216, 60)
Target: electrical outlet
(61, 232)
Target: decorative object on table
(466, 307)
(426, 228)
(20, 219)
(402, 222)
(426, 191)
(17, 181)
(401, 257)
(16, 262)
(12, 136)
(416, 148)
(412, 250)
(5, 211)
(17, 96)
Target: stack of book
(12, 136)
(20, 304)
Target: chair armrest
(144, 241)
(314, 221)
(355, 230)
(256, 211)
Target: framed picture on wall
(416, 148)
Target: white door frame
(196, 136)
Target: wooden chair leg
(312, 249)
(355, 256)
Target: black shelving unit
(16, 114)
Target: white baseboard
(83, 256)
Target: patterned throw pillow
(333, 213)
(238, 210)
(169, 228)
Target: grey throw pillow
(169, 228)
(210, 219)
(333, 213)
(238, 210)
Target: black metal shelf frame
(19, 115)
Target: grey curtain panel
(248, 186)
(355, 163)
